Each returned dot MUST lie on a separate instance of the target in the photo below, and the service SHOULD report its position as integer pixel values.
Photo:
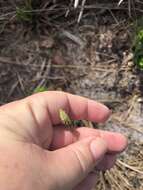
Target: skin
(38, 153)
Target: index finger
(76, 106)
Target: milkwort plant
(24, 13)
(138, 45)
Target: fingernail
(106, 116)
(98, 148)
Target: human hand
(38, 153)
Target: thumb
(74, 162)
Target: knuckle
(82, 159)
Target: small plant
(66, 120)
(40, 89)
(72, 124)
(138, 46)
(24, 13)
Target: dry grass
(127, 174)
(56, 9)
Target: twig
(124, 179)
(47, 78)
(7, 14)
(12, 89)
(5, 60)
(74, 38)
(138, 129)
(133, 100)
(82, 67)
(117, 22)
(20, 80)
(103, 181)
(129, 7)
(120, 2)
(130, 167)
(76, 3)
(81, 11)
(114, 180)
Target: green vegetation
(138, 45)
(24, 13)
(40, 89)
